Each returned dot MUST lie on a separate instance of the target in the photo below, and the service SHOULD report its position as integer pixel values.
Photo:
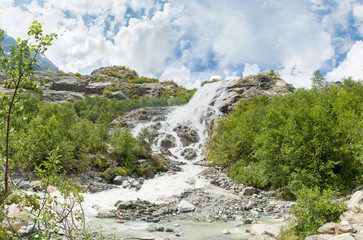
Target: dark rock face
(142, 115)
(258, 85)
(113, 82)
(186, 134)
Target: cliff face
(113, 82)
(257, 85)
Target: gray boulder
(168, 142)
(186, 134)
(356, 202)
(142, 115)
(257, 85)
(185, 206)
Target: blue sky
(191, 41)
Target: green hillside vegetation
(80, 129)
(310, 137)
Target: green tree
(318, 80)
(18, 65)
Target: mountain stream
(193, 118)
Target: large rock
(345, 236)
(352, 217)
(271, 230)
(190, 154)
(168, 142)
(18, 215)
(185, 206)
(186, 134)
(142, 115)
(249, 191)
(69, 83)
(257, 85)
(319, 237)
(262, 237)
(356, 202)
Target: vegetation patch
(310, 137)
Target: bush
(110, 173)
(313, 208)
(309, 137)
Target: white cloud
(351, 67)
(250, 69)
(189, 41)
(358, 12)
(358, 16)
(180, 75)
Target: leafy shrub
(57, 125)
(313, 208)
(144, 80)
(110, 173)
(309, 137)
(113, 73)
(78, 75)
(127, 69)
(271, 73)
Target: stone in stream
(185, 206)
(189, 153)
(186, 134)
(168, 142)
(226, 232)
(118, 180)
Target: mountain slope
(43, 63)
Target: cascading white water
(203, 107)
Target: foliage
(50, 214)
(18, 66)
(110, 173)
(313, 208)
(318, 81)
(308, 137)
(143, 79)
(113, 73)
(127, 150)
(271, 73)
(127, 69)
(92, 107)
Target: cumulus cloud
(358, 16)
(351, 67)
(250, 69)
(190, 41)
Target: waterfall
(202, 107)
(195, 115)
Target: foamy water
(202, 107)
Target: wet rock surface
(220, 201)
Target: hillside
(43, 63)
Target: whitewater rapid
(202, 108)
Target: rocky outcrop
(113, 82)
(254, 85)
(351, 225)
(142, 115)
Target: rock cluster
(225, 202)
(62, 86)
(257, 85)
(351, 225)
